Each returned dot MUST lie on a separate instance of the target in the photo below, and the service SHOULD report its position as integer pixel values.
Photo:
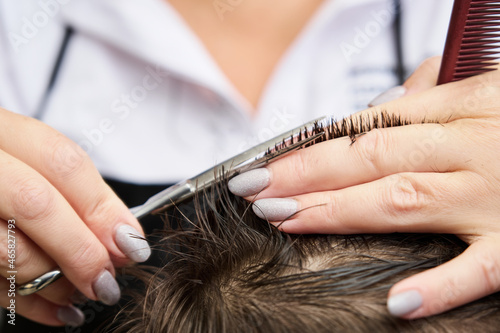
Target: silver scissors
(252, 158)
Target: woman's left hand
(442, 176)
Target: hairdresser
(440, 177)
(145, 94)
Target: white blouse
(141, 94)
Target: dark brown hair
(229, 271)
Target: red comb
(473, 41)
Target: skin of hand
(63, 215)
(433, 177)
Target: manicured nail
(78, 298)
(130, 242)
(389, 95)
(71, 316)
(107, 289)
(403, 303)
(250, 182)
(275, 209)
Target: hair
(226, 270)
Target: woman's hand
(434, 177)
(60, 213)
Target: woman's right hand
(64, 216)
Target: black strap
(68, 32)
(398, 42)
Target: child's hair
(226, 270)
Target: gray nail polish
(71, 316)
(403, 303)
(130, 242)
(106, 288)
(275, 209)
(389, 95)
(250, 182)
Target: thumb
(424, 77)
(468, 277)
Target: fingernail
(78, 298)
(275, 209)
(71, 316)
(250, 182)
(389, 95)
(107, 289)
(130, 242)
(403, 303)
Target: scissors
(252, 158)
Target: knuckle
(23, 255)
(4, 256)
(404, 196)
(450, 293)
(62, 157)
(21, 250)
(328, 211)
(100, 209)
(300, 167)
(489, 267)
(87, 260)
(33, 199)
(370, 147)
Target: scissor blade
(274, 155)
(252, 158)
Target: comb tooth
(464, 58)
(488, 37)
(475, 62)
(483, 18)
(466, 68)
(485, 21)
(481, 28)
(478, 58)
(478, 49)
(485, 4)
(479, 14)
(465, 75)
(478, 43)
(475, 9)
(484, 53)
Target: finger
(424, 77)
(69, 169)
(408, 202)
(336, 164)
(49, 221)
(38, 309)
(474, 97)
(28, 262)
(449, 285)
(464, 98)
